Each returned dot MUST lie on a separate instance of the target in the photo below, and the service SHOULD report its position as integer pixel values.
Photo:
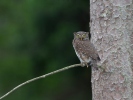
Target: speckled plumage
(84, 49)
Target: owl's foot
(84, 64)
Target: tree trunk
(111, 25)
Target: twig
(43, 76)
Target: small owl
(85, 50)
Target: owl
(85, 50)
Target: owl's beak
(81, 38)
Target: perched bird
(85, 50)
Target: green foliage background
(36, 38)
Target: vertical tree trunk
(112, 34)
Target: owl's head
(81, 35)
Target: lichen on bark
(111, 29)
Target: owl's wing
(86, 48)
(91, 50)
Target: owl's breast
(81, 51)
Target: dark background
(35, 39)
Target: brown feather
(84, 49)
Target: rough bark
(111, 25)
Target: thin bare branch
(43, 76)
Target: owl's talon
(84, 64)
(87, 65)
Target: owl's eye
(83, 35)
(78, 35)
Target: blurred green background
(36, 38)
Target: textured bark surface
(112, 34)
